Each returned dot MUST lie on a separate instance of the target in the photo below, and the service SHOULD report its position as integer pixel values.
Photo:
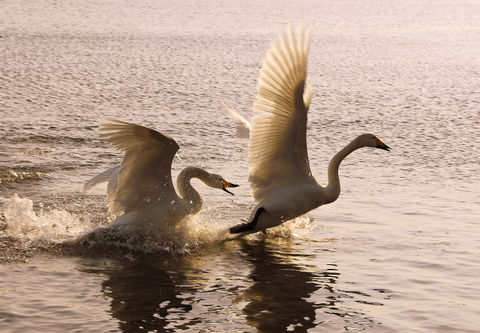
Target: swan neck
(333, 186)
(185, 188)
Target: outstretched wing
(106, 176)
(243, 125)
(145, 173)
(277, 154)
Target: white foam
(42, 228)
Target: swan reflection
(292, 291)
(280, 297)
(144, 293)
(243, 285)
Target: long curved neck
(186, 190)
(333, 187)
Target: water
(398, 252)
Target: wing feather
(277, 153)
(145, 172)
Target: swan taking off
(279, 171)
(140, 190)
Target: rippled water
(398, 252)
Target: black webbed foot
(246, 227)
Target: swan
(279, 171)
(140, 191)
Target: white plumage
(279, 170)
(140, 191)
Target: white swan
(280, 175)
(140, 190)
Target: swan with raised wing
(140, 191)
(279, 170)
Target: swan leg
(244, 227)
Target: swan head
(370, 140)
(217, 181)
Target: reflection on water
(143, 294)
(287, 295)
(278, 298)
(262, 285)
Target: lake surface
(397, 252)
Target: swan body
(140, 191)
(279, 171)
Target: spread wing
(277, 154)
(145, 173)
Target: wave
(12, 175)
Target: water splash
(189, 234)
(80, 231)
(209, 227)
(39, 230)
